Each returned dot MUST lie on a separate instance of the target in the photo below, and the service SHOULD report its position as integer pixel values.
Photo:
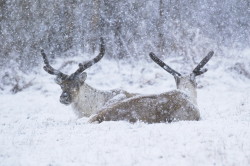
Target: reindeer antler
(88, 64)
(48, 68)
(163, 65)
(198, 70)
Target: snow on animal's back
(165, 107)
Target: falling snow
(36, 129)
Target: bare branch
(198, 70)
(163, 65)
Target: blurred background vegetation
(131, 29)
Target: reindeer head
(70, 84)
(186, 83)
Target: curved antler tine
(50, 69)
(163, 65)
(83, 67)
(45, 59)
(198, 70)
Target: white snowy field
(36, 129)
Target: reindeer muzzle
(65, 98)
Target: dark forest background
(131, 29)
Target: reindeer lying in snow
(85, 100)
(171, 106)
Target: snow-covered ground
(35, 129)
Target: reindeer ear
(82, 77)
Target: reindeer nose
(64, 94)
(65, 98)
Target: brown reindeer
(176, 105)
(85, 99)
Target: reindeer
(84, 99)
(176, 105)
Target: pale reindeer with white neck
(85, 100)
(176, 105)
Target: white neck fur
(188, 86)
(89, 101)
